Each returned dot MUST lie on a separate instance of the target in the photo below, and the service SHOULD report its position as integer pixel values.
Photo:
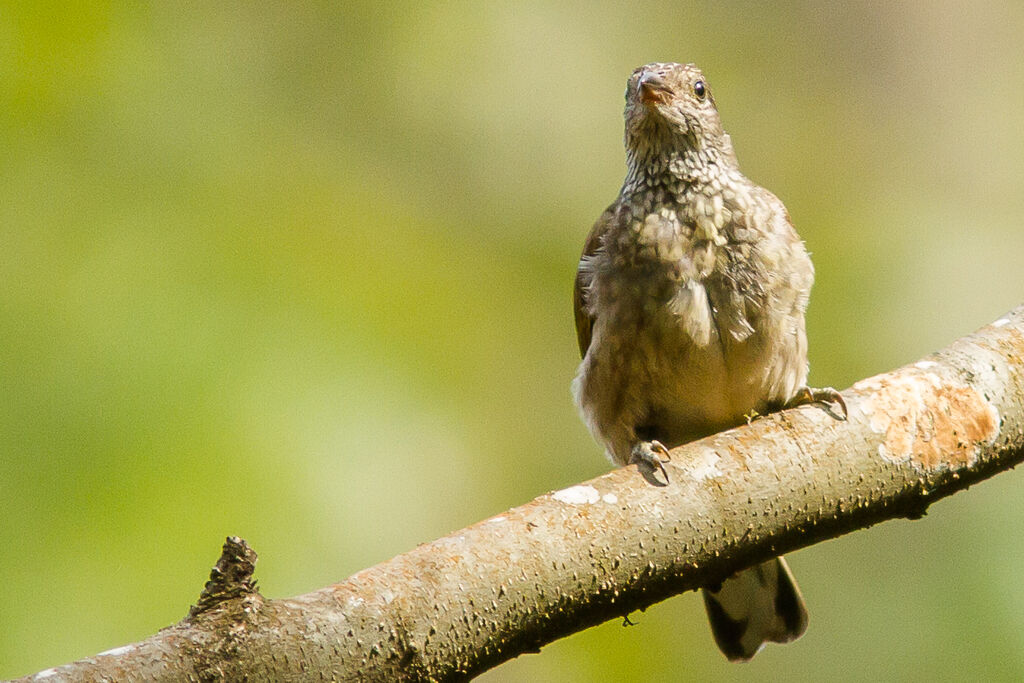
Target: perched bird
(689, 303)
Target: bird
(689, 303)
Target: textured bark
(574, 558)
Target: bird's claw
(827, 395)
(646, 454)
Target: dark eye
(700, 90)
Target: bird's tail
(755, 606)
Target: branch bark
(573, 558)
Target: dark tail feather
(756, 606)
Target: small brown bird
(689, 301)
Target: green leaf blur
(301, 272)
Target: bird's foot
(826, 395)
(651, 456)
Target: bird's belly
(674, 389)
(690, 389)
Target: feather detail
(754, 607)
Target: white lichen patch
(610, 498)
(927, 420)
(925, 364)
(577, 495)
(704, 465)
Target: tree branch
(577, 557)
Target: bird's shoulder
(592, 245)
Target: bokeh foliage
(301, 272)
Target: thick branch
(574, 558)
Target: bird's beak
(652, 89)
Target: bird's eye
(700, 90)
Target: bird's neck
(671, 172)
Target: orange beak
(652, 89)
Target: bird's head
(670, 107)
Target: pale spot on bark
(577, 495)
(928, 421)
(705, 465)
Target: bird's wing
(584, 322)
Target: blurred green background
(303, 273)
